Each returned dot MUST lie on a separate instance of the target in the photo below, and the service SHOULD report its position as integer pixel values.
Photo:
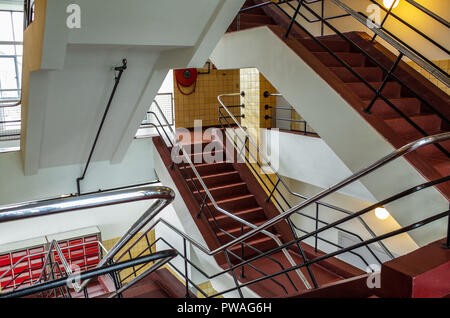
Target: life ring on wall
(186, 78)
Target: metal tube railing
(273, 171)
(216, 206)
(392, 156)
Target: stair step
(430, 150)
(207, 168)
(262, 244)
(235, 203)
(225, 191)
(409, 106)
(352, 59)
(428, 123)
(219, 179)
(250, 215)
(370, 74)
(199, 157)
(390, 90)
(236, 231)
(441, 164)
(256, 18)
(333, 45)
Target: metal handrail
(397, 45)
(282, 180)
(163, 195)
(216, 206)
(162, 256)
(44, 253)
(356, 176)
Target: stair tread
(239, 212)
(239, 229)
(235, 198)
(218, 174)
(231, 185)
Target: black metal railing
(295, 124)
(271, 182)
(390, 74)
(206, 210)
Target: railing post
(115, 279)
(317, 227)
(186, 268)
(242, 252)
(447, 244)
(384, 19)
(383, 84)
(293, 18)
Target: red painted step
(251, 215)
(428, 123)
(333, 45)
(408, 106)
(352, 59)
(207, 168)
(370, 74)
(236, 203)
(219, 179)
(225, 191)
(390, 90)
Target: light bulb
(381, 213)
(388, 3)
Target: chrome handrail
(261, 155)
(163, 195)
(394, 43)
(216, 206)
(354, 177)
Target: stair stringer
(185, 222)
(353, 140)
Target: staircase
(411, 99)
(236, 189)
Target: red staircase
(236, 190)
(429, 161)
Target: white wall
(344, 130)
(404, 10)
(136, 168)
(317, 163)
(399, 245)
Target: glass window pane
(8, 78)
(18, 26)
(7, 49)
(6, 33)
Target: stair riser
(433, 151)
(226, 192)
(406, 106)
(335, 46)
(197, 158)
(369, 74)
(252, 217)
(443, 169)
(356, 60)
(391, 90)
(236, 233)
(263, 246)
(208, 169)
(428, 124)
(235, 205)
(215, 181)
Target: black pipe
(119, 69)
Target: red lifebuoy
(186, 78)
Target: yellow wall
(135, 251)
(203, 104)
(33, 39)
(443, 64)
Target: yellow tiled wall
(443, 64)
(203, 104)
(254, 84)
(135, 252)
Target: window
(11, 50)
